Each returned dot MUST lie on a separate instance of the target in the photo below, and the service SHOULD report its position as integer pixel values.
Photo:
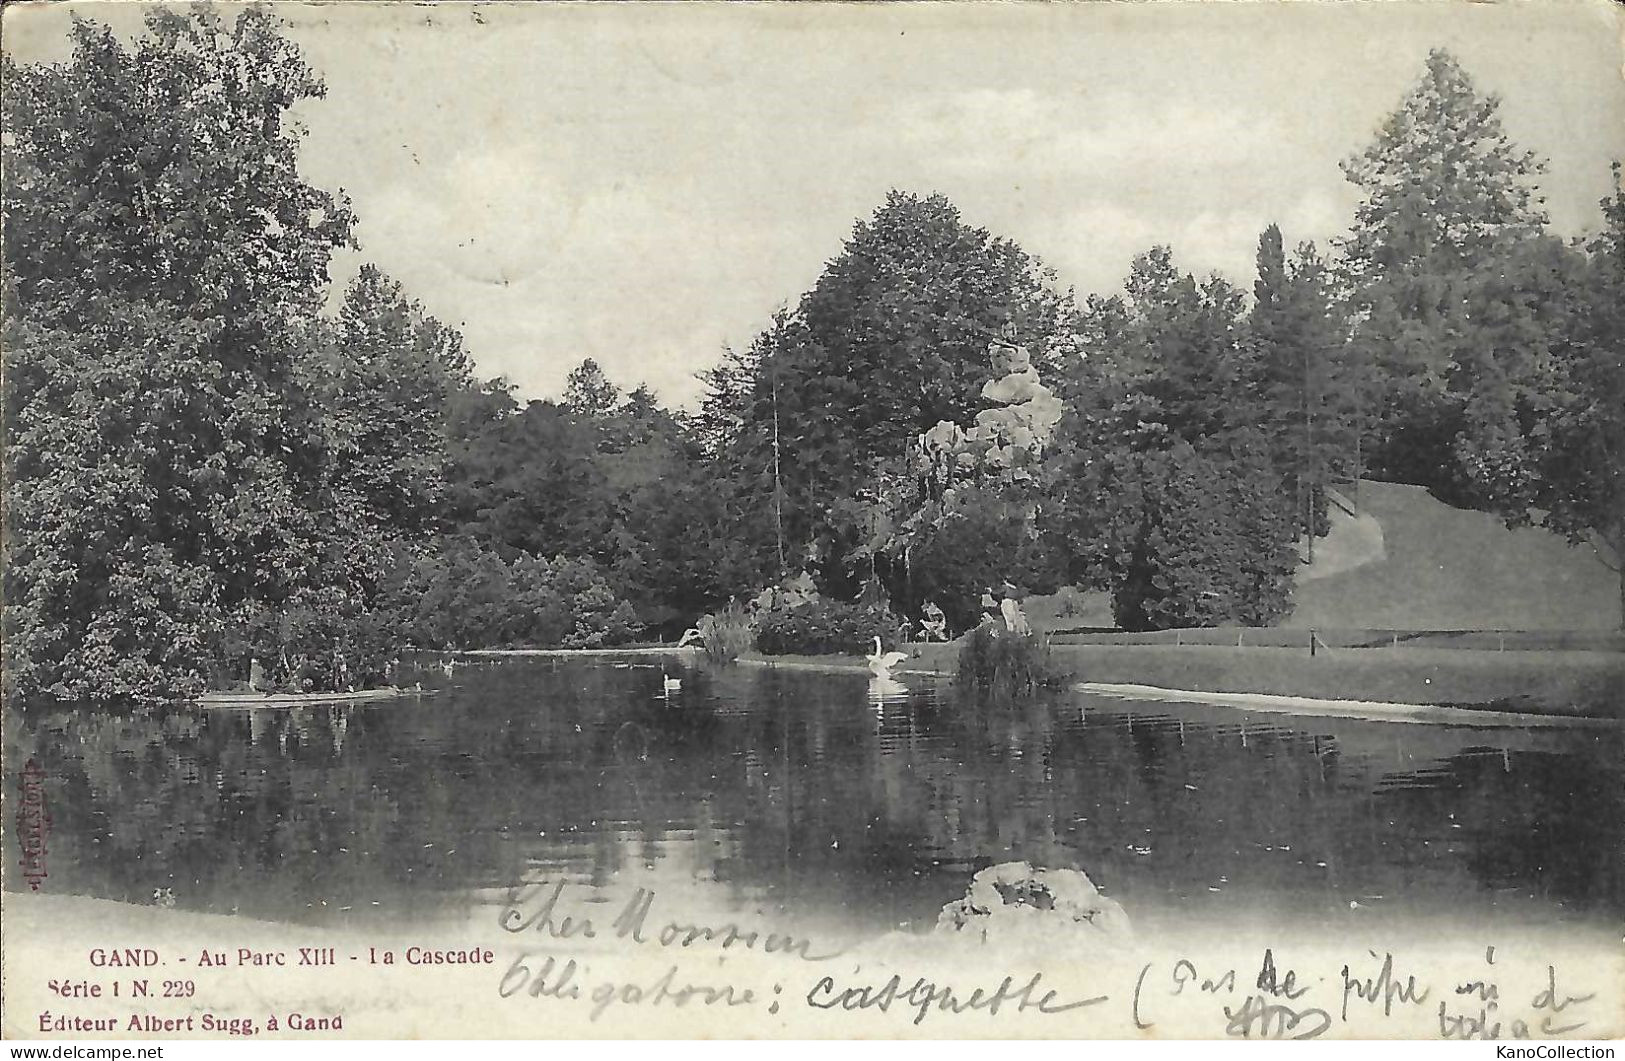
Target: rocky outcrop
(1007, 438)
(1015, 902)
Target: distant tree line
(206, 466)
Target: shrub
(982, 542)
(1215, 546)
(727, 633)
(1182, 538)
(994, 660)
(322, 641)
(601, 619)
(823, 626)
(1070, 602)
(466, 594)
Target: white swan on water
(880, 664)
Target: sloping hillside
(1440, 568)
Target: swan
(669, 685)
(880, 664)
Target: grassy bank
(1587, 683)
(1564, 683)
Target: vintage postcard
(943, 520)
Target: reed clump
(996, 660)
(727, 633)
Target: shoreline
(1487, 717)
(1517, 687)
(629, 650)
(1416, 685)
(267, 699)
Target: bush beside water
(994, 660)
(466, 594)
(827, 627)
(727, 634)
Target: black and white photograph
(869, 521)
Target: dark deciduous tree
(164, 266)
(530, 481)
(1556, 453)
(891, 340)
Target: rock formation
(1015, 902)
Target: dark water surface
(794, 790)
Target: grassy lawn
(1447, 568)
(1427, 567)
(1587, 683)
(1516, 620)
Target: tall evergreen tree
(589, 393)
(1447, 198)
(383, 380)
(1309, 389)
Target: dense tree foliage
(890, 341)
(615, 480)
(977, 545)
(1448, 205)
(1313, 392)
(1555, 452)
(1167, 493)
(204, 468)
(464, 593)
(1493, 347)
(1581, 455)
(165, 265)
(205, 465)
(589, 393)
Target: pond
(787, 791)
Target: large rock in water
(1014, 902)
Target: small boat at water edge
(259, 699)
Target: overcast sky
(643, 184)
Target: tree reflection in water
(786, 789)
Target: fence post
(1311, 644)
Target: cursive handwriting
(923, 997)
(1284, 1003)
(1267, 979)
(1260, 1018)
(1549, 999)
(542, 977)
(1383, 987)
(539, 909)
